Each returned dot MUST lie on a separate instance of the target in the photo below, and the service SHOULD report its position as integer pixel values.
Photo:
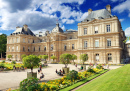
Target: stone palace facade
(99, 35)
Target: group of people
(40, 71)
(18, 68)
(60, 72)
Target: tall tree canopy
(3, 42)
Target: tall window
(17, 40)
(9, 41)
(51, 47)
(65, 47)
(28, 40)
(109, 57)
(12, 48)
(108, 42)
(9, 48)
(108, 28)
(85, 30)
(44, 48)
(23, 48)
(33, 41)
(34, 49)
(72, 46)
(13, 40)
(39, 48)
(96, 43)
(85, 44)
(97, 57)
(28, 49)
(17, 48)
(24, 40)
(96, 30)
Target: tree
(9, 56)
(53, 57)
(23, 56)
(127, 38)
(40, 57)
(74, 57)
(65, 59)
(45, 57)
(84, 57)
(3, 42)
(31, 61)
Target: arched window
(44, 48)
(65, 47)
(51, 47)
(72, 46)
(39, 48)
(109, 57)
(28, 49)
(23, 49)
(97, 57)
(34, 49)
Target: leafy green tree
(40, 57)
(31, 61)
(74, 57)
(65, 59)
(84, 57)
(127, 38)
(45, 57)
(23, 56)
(9, 56)
(3, 42)
(53, 57)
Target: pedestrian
(14, 68)
(75, 65)
(41, 76)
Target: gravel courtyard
(10, 79)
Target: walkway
(10, 79)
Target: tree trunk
(31, 69)
(1, 55)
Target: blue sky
(41, 15)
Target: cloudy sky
(41, 15)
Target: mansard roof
(98, 14)
(21, 30)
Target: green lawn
(114, 80)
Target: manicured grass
(82, 82)
(114, 80)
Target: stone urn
(66, 70)
(31, 74)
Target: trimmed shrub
(13, 62)
(90, 69)
(2, 65)
(99, 67)
(3, 61)
(72, 75)
(29, 84)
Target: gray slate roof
(98, 14)
(22, 31)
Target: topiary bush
(13, 62)
(29, 84)
(90, 69)
(2, 65)
(3, 61)
(72, 75)
(99, 67)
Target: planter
(66, 70)
(31, 74)
(84, 67)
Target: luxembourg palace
(99, 35)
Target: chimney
(108, 7)
(89, 11)
(17, 27)
(25, 27)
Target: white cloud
(0, 33)
(63, 27)
(23, 12)
(127, 31)
(96, 4)
(122, 7)
(121, 20)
